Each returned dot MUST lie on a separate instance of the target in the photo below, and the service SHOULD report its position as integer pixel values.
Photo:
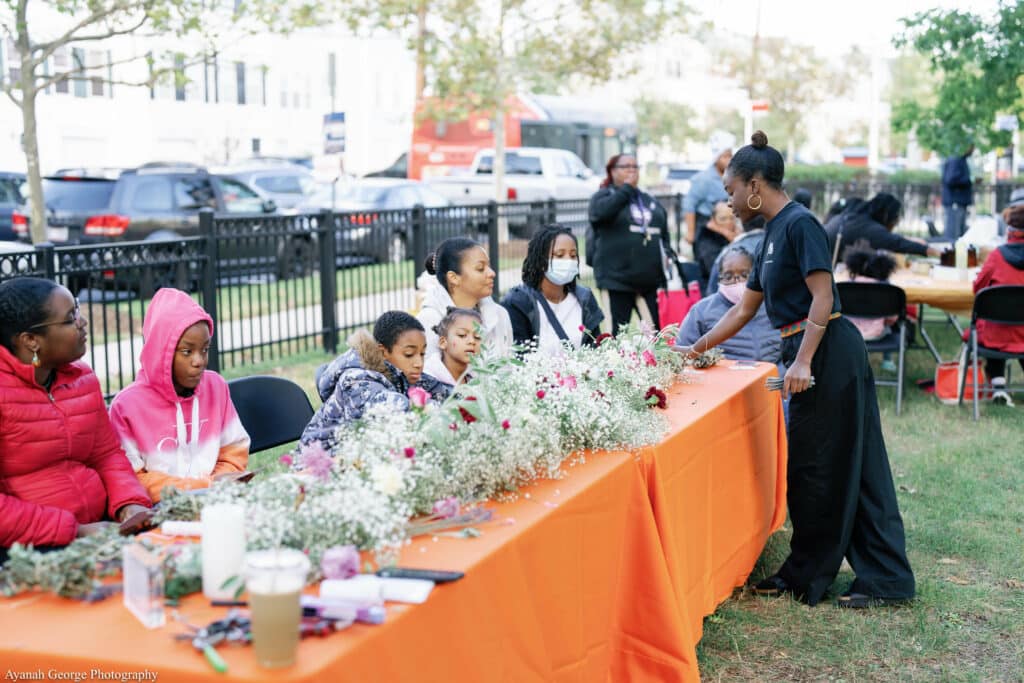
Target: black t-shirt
(794, 246)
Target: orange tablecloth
(602, 575)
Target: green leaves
(978, 64)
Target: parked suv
(10, 200)
(156, 202)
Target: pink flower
(446, 507)
(410, 452)
(340, 562)
(582, 329)
(418, 397)
(453, 426)
(649, 359)
(541, 394)
(286, 460)
(505, 424)
(611, 373)
(315, 460)
(568, 382)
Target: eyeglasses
(731, 278)
(76, 315)
(630, 167)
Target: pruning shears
(232, 628)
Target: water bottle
(961, 259)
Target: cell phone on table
(435, 575)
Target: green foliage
(664, 123)
(824, 173)
(978, 64)
(914, 176)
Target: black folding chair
(274, 410)
(1002, 304)
(880, 300)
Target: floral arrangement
(393, 475)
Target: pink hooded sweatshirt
(171, 440)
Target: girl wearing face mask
(758, 340)
(550, 308)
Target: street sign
(1006, 122)
(334, 132)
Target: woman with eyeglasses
(62, 470)
(758, 340)
(840, 492)
(630, 242)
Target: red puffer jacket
(60, 463)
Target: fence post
(328, 280)
(44, 250)
(493, 248)
(419, 240)
(208, 231)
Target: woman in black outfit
(875, 222)
(550, 307)
(630, 229)
(840, 491)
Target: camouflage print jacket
(357, 380)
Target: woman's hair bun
(429, 264)
(759, 140)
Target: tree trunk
(421, 49)
(30, 143)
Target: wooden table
(604, 575)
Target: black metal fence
(277, 286)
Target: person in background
(1004, 266)
(758, 340)
(62, 470)
(750, 239)
(865, 264)
(459, 275)
(550, 307)
(957, 193)
(1016, 199)
(699, 205)
(458, 337)
(803, 196)
(840, 207)
(630, 229)
(874, 223)
(176, 421)
(840, 492)
(376, 370)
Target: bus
(593, 129)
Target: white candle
(223, 547)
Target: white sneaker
(1000, 397)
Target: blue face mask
(562, 271)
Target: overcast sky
(832, 27)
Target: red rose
(656, 398)
(467, 416)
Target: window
(240, 81)
(152, 195)
(96, 59)
(238, 198)
(13, 63)
(60, 65)
(263, 85)
(192, 194)
(284, 92)
(280, 184)
(78, 62)
(179, 78)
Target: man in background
(957, 193)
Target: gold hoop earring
(759, 202)
(35, 359)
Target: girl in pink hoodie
(176, 421)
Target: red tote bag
(673, 305)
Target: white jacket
(497, 341)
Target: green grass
(960, 491)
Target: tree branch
(48, 48)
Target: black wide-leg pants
(841, 497)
